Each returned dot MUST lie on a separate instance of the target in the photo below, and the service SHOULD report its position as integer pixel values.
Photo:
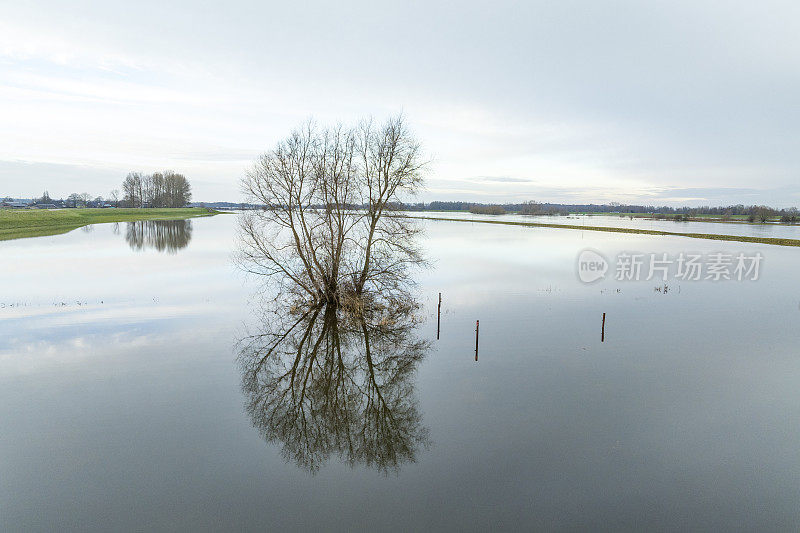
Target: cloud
(532, 99)
(502, 179)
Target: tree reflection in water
(323, 381)
(163, 235)
(331, 371)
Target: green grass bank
(21, 223)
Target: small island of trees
(161, 189)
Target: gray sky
(571, 101)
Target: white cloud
(592, 100)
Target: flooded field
(125, 401)
(770, 230)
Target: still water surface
(122, 405)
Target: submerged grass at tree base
(17, 224)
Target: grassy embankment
(19, 223)
(710, 236)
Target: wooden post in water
(477, 327)
(439, 317)
(603, 332)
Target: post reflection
(162, 235)
(321, 382)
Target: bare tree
(45, 199)
(305, 184)
(113, 196)
(329, 194)
(391, 166)
(147, 191)
(157, 192)
(132, 190)
(174, 190)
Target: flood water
(769, 230)
(122, 406)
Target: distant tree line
(537, 208)
(169, 189)
(161, 189)
(46, 202)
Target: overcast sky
(572, 101)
